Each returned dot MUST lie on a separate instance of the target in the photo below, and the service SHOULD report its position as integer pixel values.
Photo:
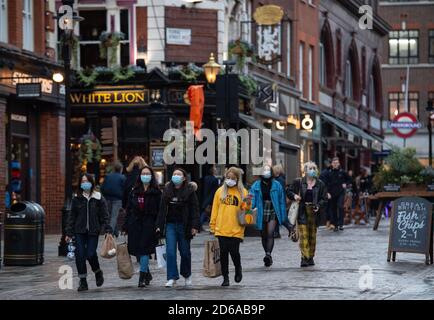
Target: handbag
(295, 233)
(293, 210)
(211, 262)
(125, 265)
(247, 218)
(108, 248)
(161, 254)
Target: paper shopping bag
(125, 265)
(211, 261)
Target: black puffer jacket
(189, 207)
(299, 187)
(140, 224)
(88, 215)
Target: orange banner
(197, 101)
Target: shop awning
(283, 143)
(342, 125)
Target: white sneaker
(188, 282)
(171, 283)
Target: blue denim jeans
(113, 207)
(86, 250)
(144, 263)
(175, 237)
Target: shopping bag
(293, 212)
(125, 265)
(295, 233)
(247, 217)
(108, 248)
(160, 252)
(211, 262)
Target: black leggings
(229, 246)
(268, 236)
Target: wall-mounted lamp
(58, 77)
(211, 69)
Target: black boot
(268, 261)
(238, 274)
(148, 278)
(142, 279)
(303, 262)
(83, 285)
(310, 262)
(225, 281)
(99, 278)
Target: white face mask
(230, 183)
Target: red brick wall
(39, 25)
(15, 15)
(3, 167)
(203, 25)
(52, 169)
(142, 25)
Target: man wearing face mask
(270, 200)
(337, 180)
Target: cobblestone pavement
(336, 275)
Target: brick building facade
(30, 129)
(409, 50)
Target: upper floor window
(94, 23)
(310, 74)
(4, 20)
(348, 79)
(404, 47)
(431, 46)
(397, 103)
(125, 44)
(372, 98)
(322, 65)
(28, 39)
(301, 68)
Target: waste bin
(24, 235)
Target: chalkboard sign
(392, 188)
(411, 228)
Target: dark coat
(140, 225)
(334, 180)
(113, 186)
(282, 180)
(130, 181)
(88, 215)
(189, 208)
(299, 187)
(210, 186)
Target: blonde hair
(278, 169)
(139, 161)
(240, 186)
(309, 164)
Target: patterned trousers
(308, 235)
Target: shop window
(4, 20)
(397, 103)
(135, 127)
(404, 47)
(28, 25)
(94, 23)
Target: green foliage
(241, 50)
(427, 175)
(249, 83)
(189, 73)
(87, 77)
(401, 167)
(109, 42)
(122, 74)
(90, 150)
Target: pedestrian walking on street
(113, 191)
(209, 188)
(224, 222)
(311, 194)
(336, 181)
(178, 220)
(270, 201)
(323, 177)
(279, 175)
(89, 215)
(142, 210)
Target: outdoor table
(384, 197)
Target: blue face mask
(86, 186)
(312, 173)
(146, 178)
(267, 174)
(177, 180)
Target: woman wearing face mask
(270, 200)
(142, 210)
(224, 222)
(89, 214)
(311, 193)
(180, 221)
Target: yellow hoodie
(224, 215)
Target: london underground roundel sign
(405, 125)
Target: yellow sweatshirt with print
(224, 214)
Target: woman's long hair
(90, 178)
(152, 185)
(240, 186)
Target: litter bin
(24, 235)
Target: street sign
(405, 125)
(28, 90)
(411, 228)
